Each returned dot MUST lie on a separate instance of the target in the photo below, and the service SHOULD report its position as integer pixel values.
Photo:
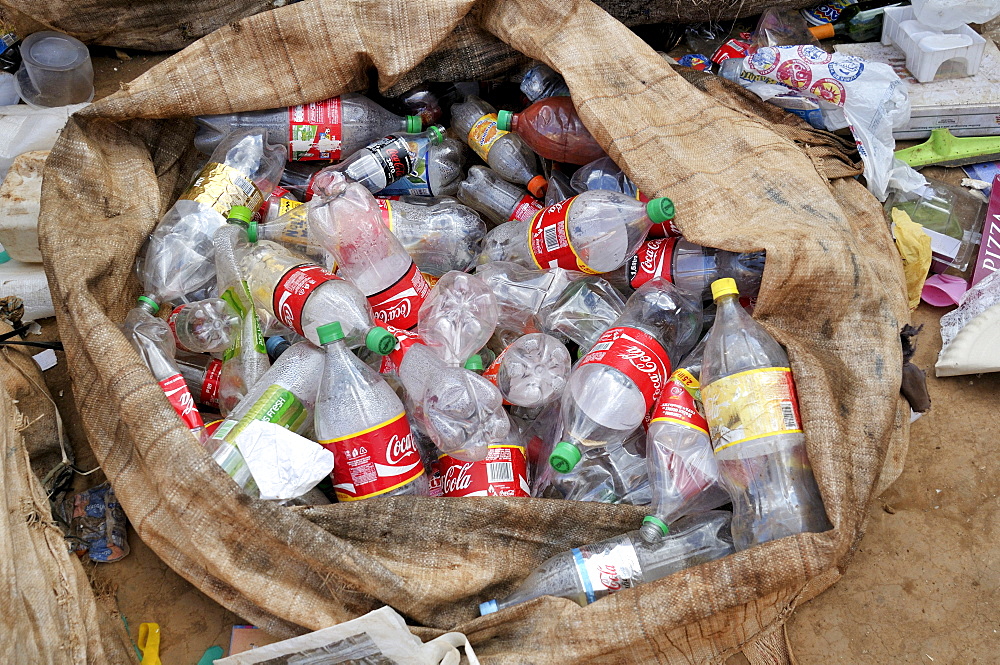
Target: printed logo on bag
(677, 405)
(292, 291)
(830, 91)
(764, 61)
(180, 398)
(814, 55)
(636, 354)
(607, 567)
(398, 305)
(548, 240)
(526, 209)
(484, 134)
(221, 187)
(315, 131)
(375, 460)
(504, 472)
(847, 68)
(794, 74)
(751, 405)
(654, 258)
(209, 394)
(404, 340)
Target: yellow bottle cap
(724, 287)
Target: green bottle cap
(150, 302)
(241, 214)
(330, 332)
(565, 457)
(658, 523)
(437, 136)
(252, 232)
(4, 256)
(474, 363)
(660, 210)
(380, 341)
(414, 123)
(504, 120)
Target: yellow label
(223, 187)
(751, 405)
(688, 380)
(295, 233)
(284, 205)
(484, 134)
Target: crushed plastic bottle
(531, 371)
(441, 236)
(553, 129)
(559, 189)
(540, 81)
(496, 199)
(383, 162)
(458, 317)
(204, 326)
(437, 167)
(585, 309)
(523, 293)
(201, 374)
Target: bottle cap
(660, 210)
(436, 134)
(252, 232)
(489, 607)
(4, 256)
(240, 213)
(657, 522)
(330, 332)
(272, 343)
(474, 363)
(565, 457)
(149, 301)
(824, 31)
(380, 341)
(537, 186)
(414, 123)
(504, 120)
(724, 287)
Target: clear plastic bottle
(383, 162)
(506, 153)
(362, 422)
(496, 199)
(553, 129)
(458, 317)
(585, 309)
(439, 237)
(504, 471)
(437, 168)
(179, 260)
(327, 129)
(603, 173)
(559, 189)
(540, 81)
(204, 326)
(201, 374)
(531, 371)
(591, 572)
(522, 294)
(594, 232)
(347, 221)
(618, 381)
(753, 416)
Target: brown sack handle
(771, 648)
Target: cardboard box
(245, 638)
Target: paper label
(504, 472)
(484, 134)
(404, 340)
(525, 209)
(676, 405)
(636, 354)
(398, 305)
(548, 240)
(292, 291)
(222, 187)
(751, 405)
(375, 460)
(607, 567)
(209, 393)
(654, 258)
(315, 131)
(180, 398)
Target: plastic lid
(504, 118)
(724, 287)
(330, 332)
(271, 343)
(240, 213)
(489, 607)
(414, 123)
(565, 457)
(54, 51)
(4, 256)
(824, 31)
(149, 301)
(658, 523)
(537, 186)
(252, 232)
(660, 210)
(378, 340)
(474, 363)
(437, 136)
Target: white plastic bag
(23, 129)
(283, 464)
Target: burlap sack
(833, 294)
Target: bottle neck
(514, 122)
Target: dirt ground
(924, 586)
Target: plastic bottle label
(607, 567)
(654, 258)
(404, 340)
(526, 209)
(385, 207)
(548, 240)
(375, 460)
(284, 205)
(492, 372)
(315, 130)
(292, 291)
(172, 322)
(688, 380)
(392, 154)
(637, 355)
(398, 305)
(434, 487)
(484, 134)
(209, 393)
(751, 405)
(276, 405)
(504, 472)
(180, 398)
(416, 182)
(221, 187)
(676, 405)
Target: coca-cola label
(172, 322)
(504, 472)
(315, 130)
(375, 460)
(180, 398)
(434, 479)
(393, 155)
(525, 209)
(404, 340)
(636, 354)
(417, 181)
(385, 207)
(484, 134)
(398, 305)
(493, 371)
(653, 259)
(677, 405)
(548, 240)
(209, 393)
(292, 291)
(607, 567)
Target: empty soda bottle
(503, 472)
(153, 341)
(277, 203)
(531, 371)
(362, 422)
(383, 162)
(179, 260)
(201, 374)
(297, 178)
(594, 232)
(753, 416)
(347, 222)
(559, 188)
(432, 100)
(523, 293)
(328, 129)
(584, 310)
(540, 81)
(437, 167)
(204, 326)
(591, 572)
(441, 236)
(506, 153)
(458, 317)
(496, 199)
(553, 129)
(620, 378)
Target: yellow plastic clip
(149, 643)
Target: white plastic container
(20, 197)
(927, 47)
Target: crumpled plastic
(283, 464)
(915, 249)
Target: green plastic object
(211, 655)
(436, 136)
(241, 214)
(330, 332)
(150, 302)
(414, 123)
(656, 521)
(660, 210)
(379, 340)
(565, 457)
(503, 120)
(4, 256)
(252, 232)
(945, 149)
(474, 363)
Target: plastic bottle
(153, 341)
(522, 294)
(553, 129)
(603, 173)
(861, 22)
(594, 232)
(439, 237)
(583, 312)
(753, 416)
(362, 422)
(347, 222)
(618, 381)
(437, 167)
(276, 345)
(589, 573)
(201, 374)
(458, 317)
(504, 471)
(532, 371)
(559, 189)
(496, 199)
(506, 153)
(204, 326)
(329, 129)
(540, 81)
(432, 100)
(383, 162)
(179, 261)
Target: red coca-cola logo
(457, 478)
(650, 253)
(400, 310)
(399, 165)
(609, 577)
(643, 361)
(398, 447)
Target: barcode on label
(603, 346)
(551, 239)
(788, 416)
(245, 185)
(499, 472)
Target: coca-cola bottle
(531, 371)
(204, 326)
(362, 422)
(437, 167)
(439, 235)
(504, 471)
(584, 310)
(458, 317)
(496, 199)
(383, 162)
(553, 129)
(201, 374)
